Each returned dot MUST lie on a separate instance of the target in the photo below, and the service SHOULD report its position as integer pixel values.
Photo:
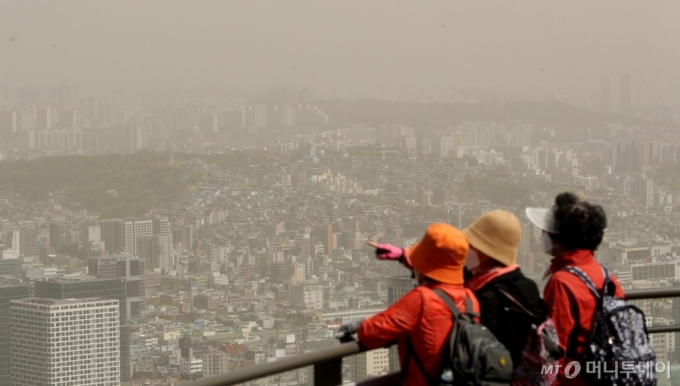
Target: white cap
(542, 218)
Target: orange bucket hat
(440, 255)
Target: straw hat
(497, 234)
(440, 255)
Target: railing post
(328, 373)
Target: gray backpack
(472, 354)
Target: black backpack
(472, 354)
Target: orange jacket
(423, 317)
(566, 293)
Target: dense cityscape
(196, 189)
(261, 253)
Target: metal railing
(328, 363)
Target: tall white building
(121, 235)
(135, 228)
(65, 342)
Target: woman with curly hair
(571, 231)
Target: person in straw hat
(420, 320)
(510, 302)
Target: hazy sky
(344, 46)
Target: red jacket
(566, 293)
(423, 317)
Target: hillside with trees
(113, 185)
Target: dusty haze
(344, 48)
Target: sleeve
(558, 302)
(392, 324)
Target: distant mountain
(553, 114)
(486, 94)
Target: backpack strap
(469, 310)
(517, 303)
(585, 279)
(608, 289)
(578, 272)
(452, 337)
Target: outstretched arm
(391, 252)
(392, 324)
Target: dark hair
(580, 224)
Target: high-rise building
(120, 236)
(26, 244)
(86, 286)
(605, 94)
(111, 234)
(135, 228)
(65, 342)
(188, 236)
(11, 248)
(329, 241)
(130, 268)
(445, 145)
(44, 118)
(57, 239)
(288, 116)
(7, 294)
(624, 105)
(648, 192)
(156, 250)
(626, 187)
(13, 240)
(161, 225)
(257, 117)
(92, 238)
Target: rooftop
(53, 302)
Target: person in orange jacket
(420, 321)
(571, 231)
